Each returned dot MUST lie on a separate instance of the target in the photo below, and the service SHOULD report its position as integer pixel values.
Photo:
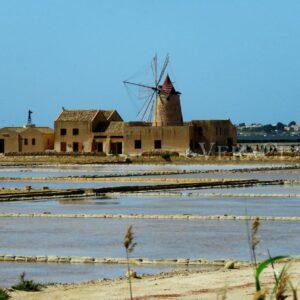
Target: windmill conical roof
(168, 86)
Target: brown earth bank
(31, 160)
(29, 193)
(236, 284)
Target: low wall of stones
(133, 261)
(112, 260)
(142, 216)
(191, 194)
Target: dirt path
(238, 284)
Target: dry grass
(129, 247)
(90, 159)
(254, 238)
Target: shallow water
(75, 170)
(71, 273)
(70, 185)
(164, 205)
(256, 189)
(268, 175)
(155, 238)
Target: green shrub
(27, 285)
(166, 156)
(3, 294)
(128, 161)
(160, 153)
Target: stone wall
(173, 138)
(84, 138)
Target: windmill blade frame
(146, 111)
(166, 62)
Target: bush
(168, 154)
(27, 285)
(3, 294)
(57, 154)
(128, 161)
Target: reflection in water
(86, 202)
(99, 200)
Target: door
(230, 143)
(119, 148)
(63, 147)
(100, 147)
(75, 147)
(2, 147)
(116, 148)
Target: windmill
(151, 91)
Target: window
(33, 142)
(75, 131)
(25, 141)
(137, 144)
(63, 131)
(157, 144)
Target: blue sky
(236, 59)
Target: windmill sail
(162, 103)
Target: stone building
(167, 106)
(76, 130)
(27, 139)
(105, 131)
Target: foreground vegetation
(32, 160)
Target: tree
(280, 126)
(292, 123)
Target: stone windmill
(162, 105)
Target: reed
(129, 247)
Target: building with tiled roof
(105, 131)
(76, 130)
(26, 139)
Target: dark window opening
(63, 131)
(33, 142)
(137, 144)
(75, 131)
(2, 146)
(157, 144)
(25, 141)
(75, 147)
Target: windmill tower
(162, 106)
(167, 108)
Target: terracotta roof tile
(115, 128)
(77, 115)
